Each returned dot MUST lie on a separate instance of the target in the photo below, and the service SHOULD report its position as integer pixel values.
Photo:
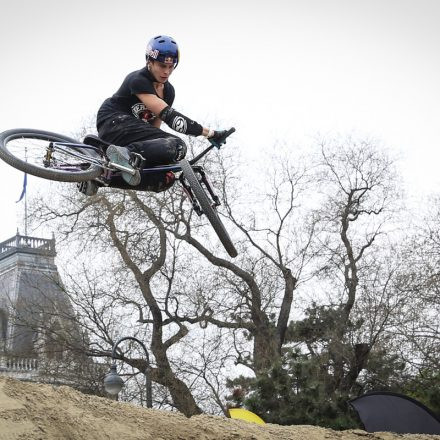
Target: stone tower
(35, 313)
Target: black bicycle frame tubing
(173, 168)
(155, 169)
(199, 156)
(208, 149)
(145, 170)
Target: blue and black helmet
(163, 49)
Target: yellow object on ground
(244, 414)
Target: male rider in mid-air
(130, 120)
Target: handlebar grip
(217, 143)
(229, 132)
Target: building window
(3, 329)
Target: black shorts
(155, 145)
(122, 129)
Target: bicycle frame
(109, 166)
(61, 158)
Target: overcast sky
(276, 70)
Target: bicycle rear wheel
(26, 150)
(208, 209)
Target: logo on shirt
(141, 112)
(179, 124)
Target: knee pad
(160, 151)
(180, 150)
(174, 148)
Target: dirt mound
(32, 411)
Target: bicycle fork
(203, 180)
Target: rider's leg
(161, 151)
(143, 138)
(155, 145)
(122, 129)
(154, 151)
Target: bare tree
(359, 197)
(418, 330)
(326, 226)
(127, 222)
(171, 289)
(256, 291)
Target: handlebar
(216, 144)
(222, 140)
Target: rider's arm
(171, 117)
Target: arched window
(3, 329)
(54, 342)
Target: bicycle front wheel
(208, 209)
(27, 150)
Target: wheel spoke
(48, 155)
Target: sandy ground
(30, 411)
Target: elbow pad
(179, 122)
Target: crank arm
(122, 168)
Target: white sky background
(279, 70)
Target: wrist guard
(179, 122)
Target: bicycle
(57, 157)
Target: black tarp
(384, 411)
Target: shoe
(89, 188)
(121, 156)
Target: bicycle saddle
(95, 141)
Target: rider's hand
(218, 136)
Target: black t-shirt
(126, 101)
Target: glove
(218, 137)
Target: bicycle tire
(14, 145)
(207, 208)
